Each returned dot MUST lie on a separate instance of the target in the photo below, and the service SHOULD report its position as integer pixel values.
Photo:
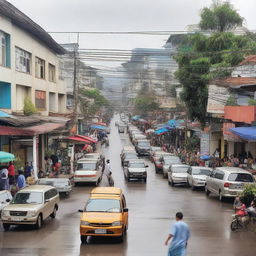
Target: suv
(88, 171)
(227, 181)
(143, 147)
(136, 169)
(105, 214)
(31, 206)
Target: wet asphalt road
(152, 207)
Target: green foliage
(29, 108)
(249, 194)
(145, 103)
(252, 102)
(94, 104)
(192, 143)
(231, 101)
(220, 17)
(18, 163)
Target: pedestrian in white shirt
(108, 173)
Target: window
(23, 60)
(219, 175)
(40, 68)
(52, 73)
(40, 99)
(240, 177)
(5, 95)
(4, 49)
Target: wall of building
(25, 41)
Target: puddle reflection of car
(63, 185)
(31, 206)
(105, 214)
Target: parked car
(167, 161)
(135, 133)
(121, 128)
(31, 206)
(197, 176)
(153, 150)
(128, 156)
(88, 171)
(136, 169)
(105, 214)
(138, 137)
(178, 174)
(5, 199)
(143, 147)
(63, 185)
(227, 181)
(158, 160)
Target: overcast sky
(121, 15)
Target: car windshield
(91, 156)
(103, 205)
(180, 169)
(137, 165)
(240, 177)
(45, 182)
(62, 182)
(154, 149)
(130, 156)
(171, 160)
(86, 166)
(144, 144)
(28, 198)
(202, 171)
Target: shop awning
(161, 131)
(81, 140)
(98, 127)
(14, 131)
(135, 118)
(246, 133)
(44, 128)
(87, 138)
(4, 114)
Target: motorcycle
(240, 219)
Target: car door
(210, 180)
(47, 204)
(218, 177)
(125, 214)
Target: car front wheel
(39, 221)
(83, 239)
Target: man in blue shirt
(179, 234)
(21, 181)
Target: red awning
(44, 128)
(100, 123)
(75, 138)
(14, 131)
(86, 138)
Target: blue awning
(4, 114)
(246, 133)
(98, 127)
(161, 131)
(135, 118)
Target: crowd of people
(12, 180)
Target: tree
(145, 102)
(202, 59)
(220, 17)
(29, 108)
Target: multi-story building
(29, 64)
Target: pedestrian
(179, 234)
(108, 173)
(28, 170)
(21, 181)
(11, 173)
(4, 181)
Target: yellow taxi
(105, 214)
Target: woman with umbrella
(4, 158)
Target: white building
(29, 64)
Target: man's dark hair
(179, 215)
(20, 172)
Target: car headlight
(84, 223)
(117, 223)
(32, 213)
(5, 213)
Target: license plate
(100, 231)
(16, 219)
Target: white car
(178, 174)
(5, 199)
(31, 206)
(197, 176)
(227, 181)
(167, 161)
(88, 171)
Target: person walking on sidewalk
(179, 234)
(108, 173)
